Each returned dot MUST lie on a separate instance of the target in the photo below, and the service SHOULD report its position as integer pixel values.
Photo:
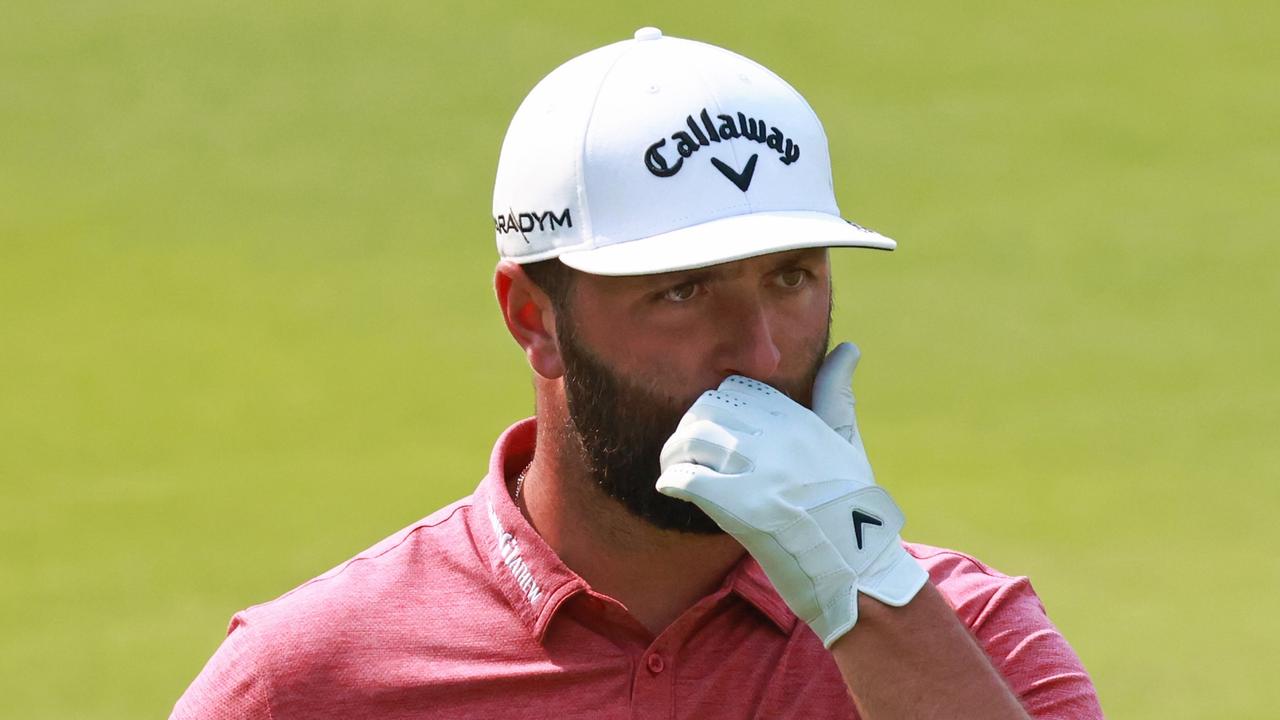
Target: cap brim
(724, 240)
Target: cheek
(678, 355)
(801, 331)
(670, 357)
(649, 351)
(804, 311)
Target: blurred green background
(246, 324)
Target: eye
(792, 279)
(680, 293)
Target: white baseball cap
(659, 154)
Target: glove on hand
(795, 488)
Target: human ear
(530, 318)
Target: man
(689, 527)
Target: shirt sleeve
(1010, 623)
(1035, 659)
(232, 685)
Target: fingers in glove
(731, 410)
(761, 394)
(690, 482)
(707, 443)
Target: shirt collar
(751, 584)
(529, 574)
(523, 567)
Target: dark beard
(622, 425)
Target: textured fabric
(469, 614)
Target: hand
(795, 488)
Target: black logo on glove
(859, 519)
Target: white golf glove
(795, 488)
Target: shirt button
(655, 663)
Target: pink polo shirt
(469, 614)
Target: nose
(749, 341)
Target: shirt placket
(654, 673)
(653, 681)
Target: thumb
(833, 389)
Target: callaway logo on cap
(660, 154)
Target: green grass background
(246, 325)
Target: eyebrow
(718, 272)
(696, 275)
(791, 257)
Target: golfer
(689, 527)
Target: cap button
(648, 33)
